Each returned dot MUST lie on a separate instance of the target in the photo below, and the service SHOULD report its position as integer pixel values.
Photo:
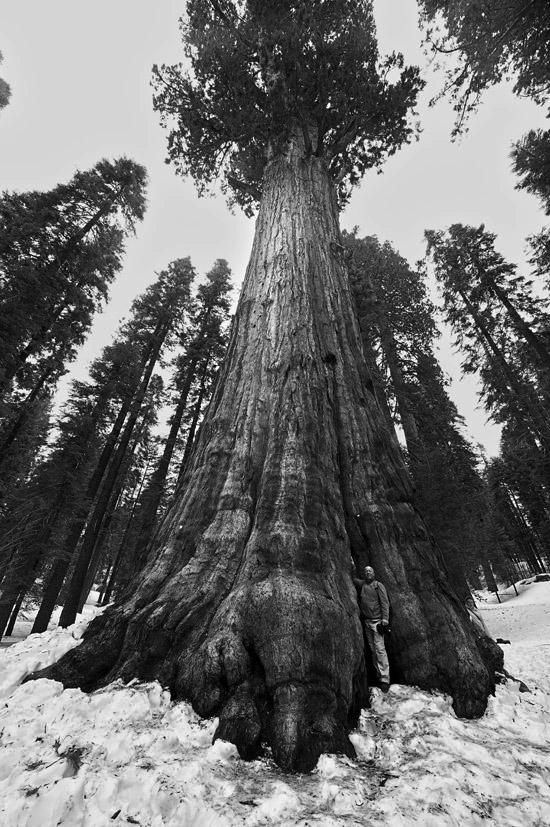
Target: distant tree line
(490, 518)
(81, 493)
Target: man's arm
(384, 603)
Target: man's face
(369, 574)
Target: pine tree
(102, 413)
(156, 317)
(528, 492)
(514, 544)
(489, 307)
(397, 324)
(59, 252)
(139, 444)
(247, 607)
(450, 490)
(205, 344)
(36, 517)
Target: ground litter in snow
(127, 755)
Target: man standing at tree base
(375, 611)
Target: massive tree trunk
(248, 608)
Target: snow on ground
(519, 618)
(127, 755)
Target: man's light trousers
(378, 650)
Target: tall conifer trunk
(248, 608)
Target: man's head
(369, 574)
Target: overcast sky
(80, 78)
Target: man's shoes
(384, 686)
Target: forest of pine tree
(220, 474)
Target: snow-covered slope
(127, 755)
(522, 618)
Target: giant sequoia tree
(248, 607)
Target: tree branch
(242, 186)
(229, 23)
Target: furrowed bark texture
(248, 608)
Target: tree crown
(255, 72)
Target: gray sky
(80, 74)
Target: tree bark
(248, 608)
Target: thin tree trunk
(103, 527)
(105, 582)
(155, 490)
(248, 608)
(122, 549)
(57, 577)
(93, 527)
(374, 380)
(15, 611)
(529, 546)
(113, 578)
(539, 424)
(101, 537)
(190, 441)
(25, 563)
(51, 593)
(79, 522)
(406, 415)
(489, 576)
(15, 585)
